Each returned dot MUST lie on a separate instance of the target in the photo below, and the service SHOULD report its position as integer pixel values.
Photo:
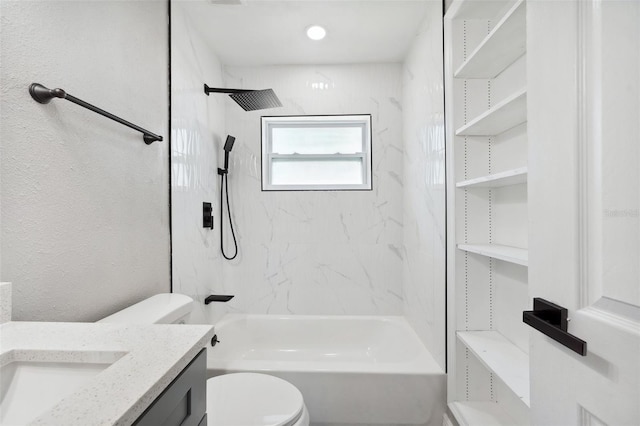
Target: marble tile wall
(424, 214)
(318, 252)
(379, 252)
(197, 129)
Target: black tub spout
(217, 298)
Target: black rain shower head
(249, 100)
(256, 99)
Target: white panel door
(584, 200)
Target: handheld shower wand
(224, 186)
(228, 146)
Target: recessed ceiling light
(316, 32)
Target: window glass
(316, 140)
(316, 153)
(313, 172)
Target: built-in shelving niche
(485, 56)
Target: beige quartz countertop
(148, 358)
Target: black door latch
(551, 319)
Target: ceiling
(269, 32)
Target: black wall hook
(551, 320)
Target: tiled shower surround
(318, 252)
(197, 126)
(424, 215)
(378, 252)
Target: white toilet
(238, 399)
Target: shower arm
(208, 90)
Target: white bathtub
(351, 370)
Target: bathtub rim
(425, 364)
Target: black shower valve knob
(207, 215)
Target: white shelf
(502, 357)
(502, 46)
(465, 9)
(497, 180)
(510, 254)
(482, 413)
(503, 116)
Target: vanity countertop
(148, 357)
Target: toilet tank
(165, 308)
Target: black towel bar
(43, 95)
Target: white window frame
(360, 120)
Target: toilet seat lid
(252, 399)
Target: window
(330, 152)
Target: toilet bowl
(237, 399)
(242, 399)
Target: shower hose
(225, 187)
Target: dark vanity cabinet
(184, 401)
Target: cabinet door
(184, 401)
(584, 198)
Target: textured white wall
(85, 218)
(424, 212)
(318, 252)
(197, 123)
